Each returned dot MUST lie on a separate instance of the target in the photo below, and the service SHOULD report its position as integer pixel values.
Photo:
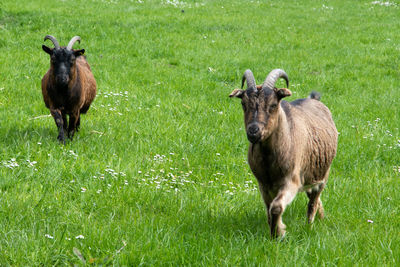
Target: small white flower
(370, 221)
(49, 236)
(80, 237)
(83, 189)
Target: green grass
(158, 174)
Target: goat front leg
(65, 122)
(74, 118)
(59, 119)
(284, 197)
(267, 199)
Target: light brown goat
(68, 87)
(292, 145)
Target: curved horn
(73, 40)
(273, 76)
(249, 78)
(53, 39)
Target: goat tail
(315, 95)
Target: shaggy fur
(292, 150)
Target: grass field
(157, 174)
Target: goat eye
(273, 107)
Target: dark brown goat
(68, 87)
(292, 145)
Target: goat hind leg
(78, 123)
(315, 203)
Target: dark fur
(68, 88)
(292, 145)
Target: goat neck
(280, 135)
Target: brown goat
(68, 87)
(292, 145)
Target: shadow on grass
(249, 225)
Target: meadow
(158, 173)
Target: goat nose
(62, 79)
(253, 129)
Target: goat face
(261, 104)
(261, 109)
(63, 63)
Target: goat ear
(237, 93)
(283, 92)
(78, 53)
(48, 50)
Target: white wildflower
(49, 236)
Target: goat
(292, 145)
(68, 87)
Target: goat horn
(53, 39)
(73, 40)
(273, 76)
(249, 78)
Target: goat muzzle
(62, 80)
(253, 133)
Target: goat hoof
(61, 139)
(279, 234)
(71, 134)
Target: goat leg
(65, 121)
(267, 199)
(73, 120)
(78, 123)
(284, 197)
(58, 118)
(315, 203)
